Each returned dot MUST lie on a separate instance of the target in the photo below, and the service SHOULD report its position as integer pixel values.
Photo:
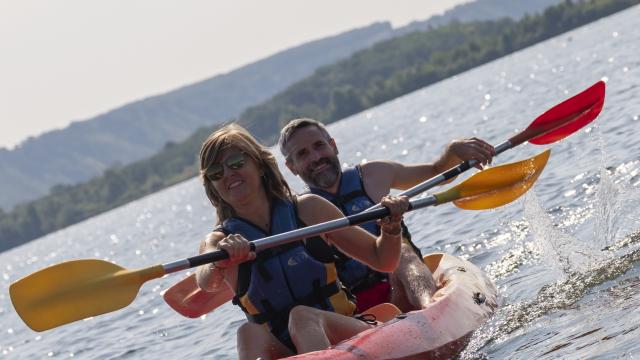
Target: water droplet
(625, 69)
(405, 152)
(50, 354)
(10, 331)
(569, 193)
(138, 252)
(358, 154)
(375, 128)
(532, 76)
(614, 34)
(635, 117)
(487, 96)
(383, 147)
(611, 59)
(423, 119)
(141, 312)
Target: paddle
(78, 289)
(555, 124)
(186, 298)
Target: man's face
(313, 157)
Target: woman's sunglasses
(234, 161)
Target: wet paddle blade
(569, 116)
(186, 298)
(496, 186)
(75, 290)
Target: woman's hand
(397, 205)
(238, 248)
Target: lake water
(563, 295)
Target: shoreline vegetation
(368, 78)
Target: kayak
(465, 299)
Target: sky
(70, 60)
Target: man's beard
(327, 178)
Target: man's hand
(468, 149)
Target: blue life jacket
(352, 199)
(299, 273)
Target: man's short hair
(294, 125)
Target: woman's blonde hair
(235, 136)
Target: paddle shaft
(377, 211)
(290, 236)
(374, 212)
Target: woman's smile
(234, 184)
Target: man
(311, 153)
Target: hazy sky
(69, 60)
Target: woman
(284, 291)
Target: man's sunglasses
(234, 161)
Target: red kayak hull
(465, 299)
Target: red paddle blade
(189, 300)
(569, 116)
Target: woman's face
(235, 176)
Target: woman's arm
(210, 277)
(381, 253)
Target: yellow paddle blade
(496, 186)
(75, 290)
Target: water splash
(558, 249)
(563, 294)
(607, 208)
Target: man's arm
(381, 176)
